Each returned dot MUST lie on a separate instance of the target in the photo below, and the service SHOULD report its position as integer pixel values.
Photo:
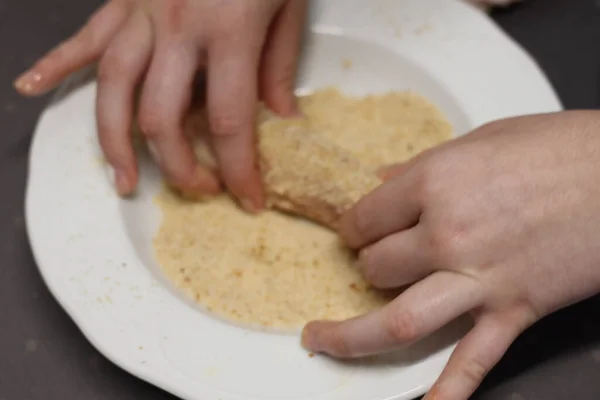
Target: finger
(165, 99)
(475, 355)
(419, 311)
(82, 49)
(232, 93)
(392, 207)
(280, 59)
(391, 171)
(396, 260)
(119, 72)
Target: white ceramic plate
(94, 250)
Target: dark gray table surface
(44, 357)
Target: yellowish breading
(274, 269)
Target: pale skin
(501, 224)
(247, 49)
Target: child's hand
(246, 47)
(502, 224)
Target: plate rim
(93, 337)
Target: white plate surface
(94, 250)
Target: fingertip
(207, 180)
(125, 184)
(364, 261)
(305, 337)
(123, 181)
(29, 83)
(202, 182)
(347, 229)
(250, 206)
(311, 336)
(254, 202)
(282, 102)
(245, 185)
(189, 178)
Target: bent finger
(119, 72)
(422, 309)
(166, 97)
(85, 47)
(392, 207)
(396, 260)
(232, 95)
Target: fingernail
(119, 180)
(123, 183)
(249, 205)
(27, 82)
(306, 339)
(310, 339)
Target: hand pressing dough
(304, 173)
(275, 270)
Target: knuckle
(431, 178)
(237, 14)
(446, 245)
(403, 327)
(450, 221)
(474, 371)
(227, 123)
(241, 21)
(152, 124)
